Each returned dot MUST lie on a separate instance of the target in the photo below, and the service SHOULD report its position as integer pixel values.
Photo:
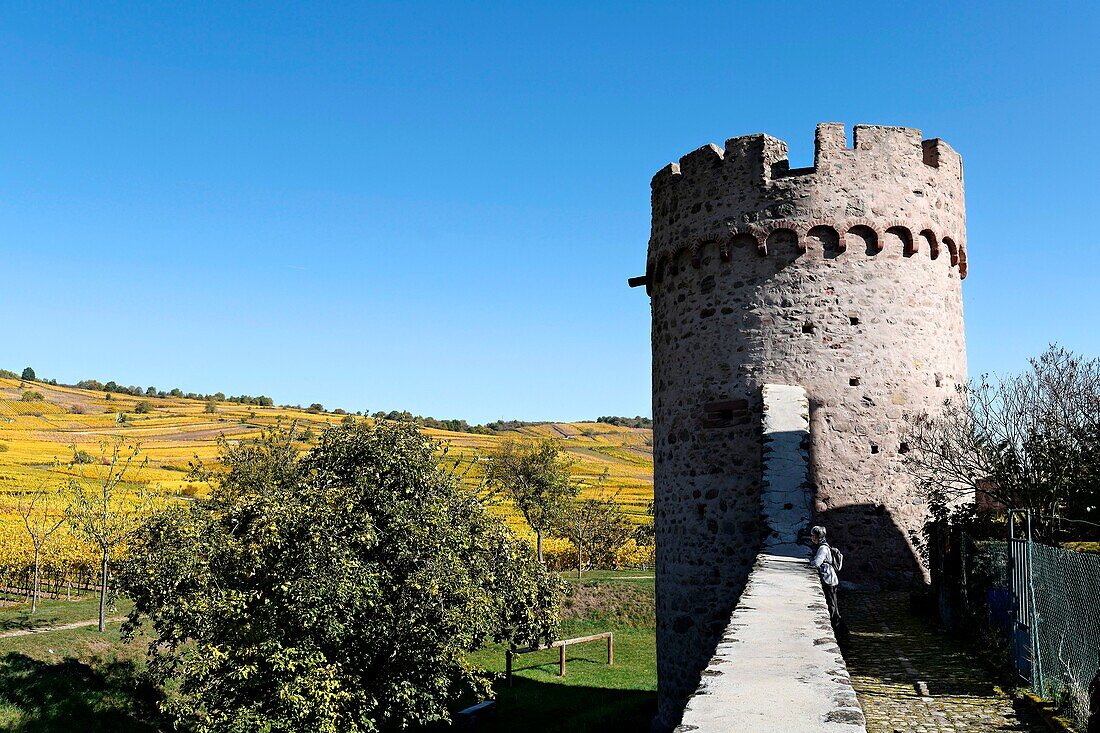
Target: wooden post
(610, 649)
(508, 666)
(561, 662)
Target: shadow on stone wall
(697, 622)
(876, 552)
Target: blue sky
(436, 207)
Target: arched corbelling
(827, 235)
(902, 232)
(949, 242)
(781, 235)
(724, 249)
(747, 237)
(929, 237)
(865, 231)
(793, 227)
(699, 250)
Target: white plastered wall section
(778, 668)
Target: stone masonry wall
(778, 668)
(843, 278)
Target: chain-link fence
(1033, 607)
(1067, 624)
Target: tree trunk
(538, 545)
(103, 595)
(580, 561)
(34, 587)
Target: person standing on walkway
(826, 567)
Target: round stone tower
(843, 278)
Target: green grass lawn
(75, 679)
(81, 680)
(54, 613)
(592, 696)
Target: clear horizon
(435, 208)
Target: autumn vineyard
(52, 435)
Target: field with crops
(39, 434)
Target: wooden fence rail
(560, 644)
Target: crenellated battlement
(762, 158)
(891, 184)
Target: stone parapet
(778, 668)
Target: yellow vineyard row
(38, 438)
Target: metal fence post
(1033, 618)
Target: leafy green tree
(106, 507)
(143, 408)
(536, 476)
(335, 592)
(28, 375)
(211, 407)
(33, 396)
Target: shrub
(143, 408)
(4, 448)
(32, 396)
(83, 457)
(211, 407)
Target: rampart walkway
(911, 678)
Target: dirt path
(59, 627)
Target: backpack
(836, 557)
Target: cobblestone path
(911, 678)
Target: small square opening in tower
(853, 381)
(939, 381)
(854, 320)
(807, 327)
(903, 448)
(874, 448)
